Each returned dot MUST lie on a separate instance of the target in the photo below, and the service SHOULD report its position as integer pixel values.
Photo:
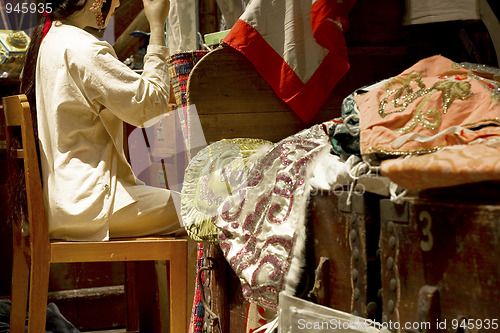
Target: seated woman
(80, 95)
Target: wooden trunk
(233, 101)
(440, 264)
(347, 236)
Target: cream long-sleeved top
(83, 96)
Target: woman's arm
(157, 13)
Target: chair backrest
(21, 145)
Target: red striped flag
(297, 46)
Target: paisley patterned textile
(211, 176)
(428, 98)
(344, 131)
(262, 223)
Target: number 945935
(475, 324)
(28, 7)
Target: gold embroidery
(405, 152)
(403, 96)
(451, 90)
(495, 98)
(405, 86)
(482, 122)
(491, 85)
(419, 117)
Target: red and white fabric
(297, 46)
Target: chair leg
(131, 295)
(162, 296)
(39, 288)
(178, 288)
(20, 282)
(146, 296)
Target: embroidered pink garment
(428, 98)
(461, 164)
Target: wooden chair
(34, 252)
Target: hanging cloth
(297, 46)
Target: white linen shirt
(83, 96)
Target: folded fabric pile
(437, 124)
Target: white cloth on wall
(428, 11)
(297, 46)
(232, 10)
(182, 26)
(83, 96)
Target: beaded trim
(97, 9)
(405, 152)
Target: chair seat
(130, 249)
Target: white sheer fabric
(232, 10)
(183, 22)
(182, 26)
(428, 11)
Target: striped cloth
(198, 312)
(297, 46)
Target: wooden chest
(343, 267)
(347, 236)
(440, 265)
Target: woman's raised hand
(157, 13)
